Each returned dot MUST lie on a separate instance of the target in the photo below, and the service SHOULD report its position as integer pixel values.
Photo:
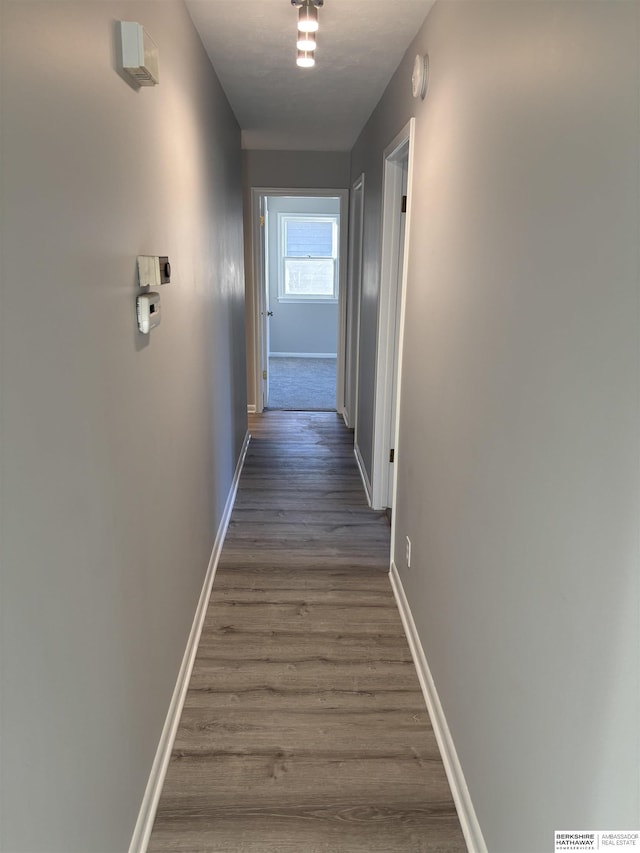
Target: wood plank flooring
(304, 728)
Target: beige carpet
(302, 384)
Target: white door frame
(402, 146)
(258, 194)
(353, 300)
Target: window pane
(308, 277)
(308, 238)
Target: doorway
(397, 175)
(299, 275)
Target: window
(309, 268)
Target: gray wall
(298, 327)
(519, 439)
(296, 169)
(118, 450)
(282, 170)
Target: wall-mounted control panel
(148, 310)
(153, 270)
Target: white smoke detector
(139, 54)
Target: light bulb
(308, 17)
(305, 59)
(306, 41)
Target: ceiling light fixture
(307, 28)
(305, 59)
(306, 41)
(307, 15)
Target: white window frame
(283, 218)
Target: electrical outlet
(408, 553)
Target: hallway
(304, 727)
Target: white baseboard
(461, 797)
(303, 355)
(147, 813)
(363, 473)
(251, 409)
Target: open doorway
(299, 281)
(302, 286)
(396, 199)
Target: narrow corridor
(304, 728)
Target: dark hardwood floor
(304, 728)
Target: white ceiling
(251, 44)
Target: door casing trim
(393, 155)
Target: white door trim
(259, 291)
(354, 296)
(259, 285)
(402, 145)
